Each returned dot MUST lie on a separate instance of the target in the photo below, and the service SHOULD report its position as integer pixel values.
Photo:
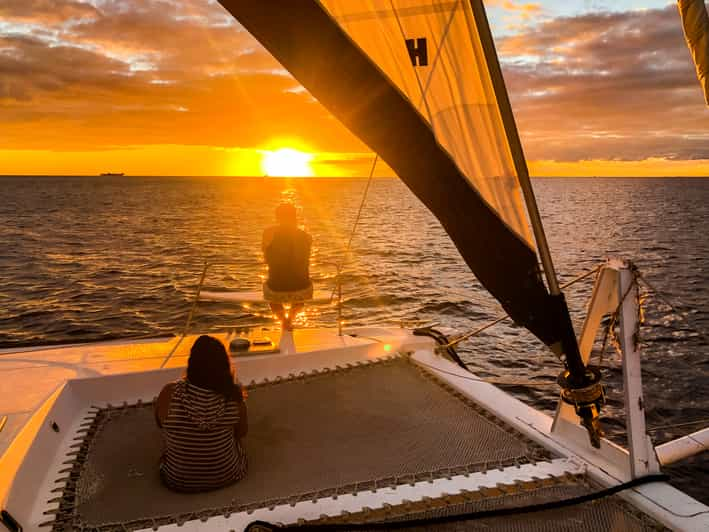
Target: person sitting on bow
(287, 252)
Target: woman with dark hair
(203, 418)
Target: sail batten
(456, 159)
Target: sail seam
(418, 78)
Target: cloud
(79, 75)
(45, 11)
(510, 5)
(606, 86)
(129, 73)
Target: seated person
(203, 418)
(287, 252)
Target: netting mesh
(608, 514)
(341, 431)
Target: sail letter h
(417, 51)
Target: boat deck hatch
(362, 427)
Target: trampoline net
(607, 514)
(310, 436)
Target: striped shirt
(202, 451)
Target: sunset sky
(177, 87)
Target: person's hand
(240, 392)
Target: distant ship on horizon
(112, 174)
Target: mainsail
(695, 21)
(412, 80)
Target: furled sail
(695, 21)
(411, 79)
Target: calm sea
(100, 258)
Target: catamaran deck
(353, 429)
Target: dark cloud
(607, 86)
(75, 75)
(176, 72)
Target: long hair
(209, 367)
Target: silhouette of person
(287, 252)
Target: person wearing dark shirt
(287, 252)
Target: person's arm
(162, 403)
(267, 238)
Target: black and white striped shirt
(202, 450)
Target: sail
(410, 78)
(695, 21)
(431, 51)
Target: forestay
(411, 80)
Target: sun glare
(287, 162)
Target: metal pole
(190, 315)
(508, 121)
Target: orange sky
(179, 88)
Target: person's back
(287, 252)
(203, 417)
(201, 450)
(288, 258)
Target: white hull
(59, 386)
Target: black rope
(486, 514)
(442, 340)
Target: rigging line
(502, 317)
(354, 225)
(189, 316)
(361, 205)
(673, 307)
(500, 382)
(418, 79)
(438, 52)
(678, 425)
(509, 382)
(658, 293)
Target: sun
(287, 162)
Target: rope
(500, 382)
(354, 225)
(418, 79)
(502, 317)
(678, 425)
(361, 205)
(610, 334)
(484, 514)
(189, 316)
(672, 306)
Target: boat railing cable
(340, 265)
(198, 291)
(503, 317)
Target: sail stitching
(444, 37)
(418, 78)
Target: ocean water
(100, 258)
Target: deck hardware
(587, 400)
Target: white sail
(695, 21)
(449, 85)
